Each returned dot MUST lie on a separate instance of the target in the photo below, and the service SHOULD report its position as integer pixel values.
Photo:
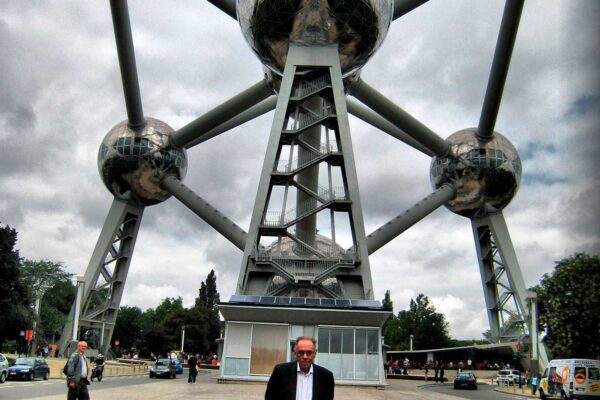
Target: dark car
(465, 380)
(29, 368)
(163, 368)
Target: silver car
(510, 376)
(3, 368)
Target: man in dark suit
(301, 379)
(193, 368)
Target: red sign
(28, 334)
(117, 342)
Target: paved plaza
(209, 388)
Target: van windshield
(545, 373)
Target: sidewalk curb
(525, 395)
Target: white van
(571, 379)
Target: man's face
(82, 347)
(305, 352)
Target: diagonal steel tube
(383, 124)
(256, 111)
(227, 6)
(499, 70)
(402, 7)
(386, 233)
(207, 212)
(126, 54)
(222, 113)
(397, 116)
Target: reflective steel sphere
(132, 163)
(358, 27)
(486, 175)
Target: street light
(533, 333)
(182, 337)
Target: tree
(39, 277)
(390, 327)
(207, 303)
(55, 310)
(429, 329)
(568, 307)
(129, 327)
(14, 298)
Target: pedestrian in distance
(301, 379)
(77, 373)
(442, 371)
(535, 381)
(436, 371)
(426, 368)
(193, 368)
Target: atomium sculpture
(291, 274)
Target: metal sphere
(486, 175)
(133, 162)
(358, 27)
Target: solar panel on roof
(327, 302)
(267, 299)
(282, 300)
(311, 301)
(238, 298)
(253, 299)
(297, 300)
(373, 303)
(342, 302)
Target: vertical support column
(497, 259)
(106, 273)
(311, 99)
(485, 256)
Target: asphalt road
(41, 388)
(483, 392)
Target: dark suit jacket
(282, 384)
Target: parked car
(3, 368)
(178, 366)
(29, 368)
(163, 368)
(465, 379)
(510, 376)
(571, 379)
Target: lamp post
(77, 310)
(182, 337)
(411, 342)
(533, 333)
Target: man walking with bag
(77, 372)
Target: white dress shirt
(304, 384)
(83, 366)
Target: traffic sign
(117, 342)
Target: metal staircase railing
(305, 159)
(306, 208)
(306, 88)
(306, 120)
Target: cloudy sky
(61, 93)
